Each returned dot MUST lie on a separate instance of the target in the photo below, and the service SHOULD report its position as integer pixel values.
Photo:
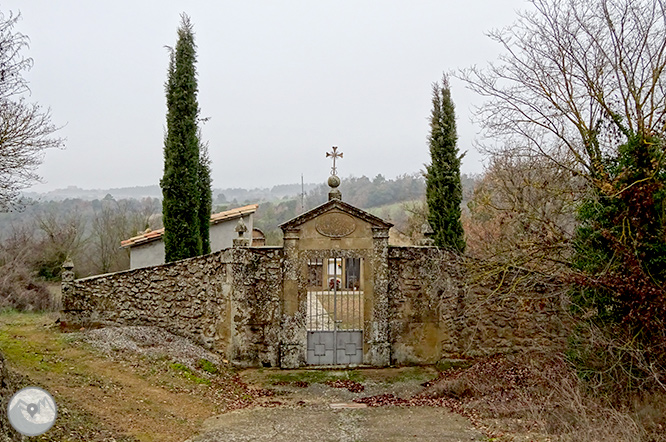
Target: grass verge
(314, 376)
(118, 396)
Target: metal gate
(335, 312)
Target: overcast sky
(281, 82)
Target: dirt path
(307, 406)
(126, 396)
(129, 384)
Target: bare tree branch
(26, 130)
(577, 74)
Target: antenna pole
(302, 195)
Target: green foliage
(208, 366)
(443, 186)
(621, 242)
(620, 253)
(187, 373)
(181, 183)
(205, 198)
(49, 267)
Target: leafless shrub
(542, 394)
(61, 235)
(522, 212)
(616, 365)
(19, 288)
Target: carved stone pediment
(331, 217)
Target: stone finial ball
(333, 181)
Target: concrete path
(321, 413)
(376, 424)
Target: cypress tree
(443, 186)
(205, 197)
(180, 184)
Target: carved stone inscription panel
(335, 225)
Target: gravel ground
(148, 341)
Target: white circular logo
(32, 411)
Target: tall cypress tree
(181, 189)
(443, 186)
(205, 197)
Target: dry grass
(20, 290)
(540, 397)
(121, 384)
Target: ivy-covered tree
(620, 243)
(582, 86)
(443, 186)
(181, 186)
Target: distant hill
(74, 192)
(140, 192)
(362, 192)
(88, 224)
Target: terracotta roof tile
(215, 218)
(233, 213)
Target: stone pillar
(293, 340)
(380, 346)
(428, 233)
(241, 241)
(66, 285)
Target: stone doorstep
(347, 405)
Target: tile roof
(215, 218)
(233, 213)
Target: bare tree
(106, 236)
(575, 76)
(523, 212)
(62, 236)
(25, 128)
(578, 80)
(581, 92)
(113, 222)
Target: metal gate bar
(335, 321)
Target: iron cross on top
(335, 155)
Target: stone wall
(256, 310)
(442, 308)
(226, 301)
(512, 311)
(426, 290)
(233, 302)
